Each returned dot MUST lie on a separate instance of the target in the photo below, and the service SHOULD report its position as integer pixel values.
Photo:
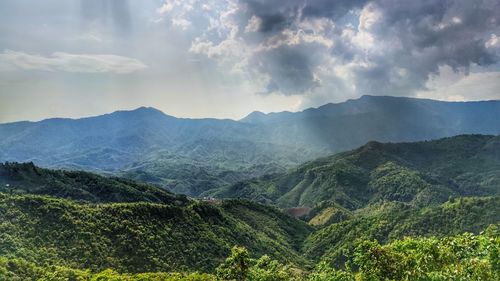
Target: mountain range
(196, 156)
(379, 191)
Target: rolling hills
(140, 236)
(192, 156)
(27, 178)
(419, 173)
(74, 223)
(390, 221)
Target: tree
(236, 266)
(267, 269)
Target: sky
(227, 58)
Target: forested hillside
(420, 174)
(141, 237)
(388, 221)
(24, 178)
(460, 257)
(65, 233)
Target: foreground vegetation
(395, 220)
(139, 237)
(50, 238)
(460, 257)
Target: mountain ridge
(256, 112)
(421, 173)
(149, 145)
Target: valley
(84, 222)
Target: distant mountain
(185, 155)
(192, 156)
(342, 126)
(420, 173)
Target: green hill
(139, 237)
(72, 223)
(460, 257)
(388, 221)
(83, 220)
(77, 185)
(420, 173)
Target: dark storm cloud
(330, 9)
(431, 34)
(274, 15)
(417, 38)
(280, 14)
(289, 70)
(273, 22)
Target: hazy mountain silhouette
(194, 155)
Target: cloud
(297, 47)
(459, 86)
(77, 63)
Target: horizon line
(237, 120)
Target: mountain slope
(140, 237)
(179, 234)
(343, 126)
(394, 220)
(420, 173)
(192, 156)
(77, 185)
(96, 222)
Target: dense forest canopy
(404, 211)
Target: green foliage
(394, 220)
(421, 173)
(20, 270)
(268, 220)
(236, 266)
(326, 213)
(77, 185)
(452, 258)
(266, 269)
(239, 266)
(462, 257)
(140, 237)
(325, 272)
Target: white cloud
(459, 86)
(78, 63)
(494, 42)
(253, 24)
(181, 22)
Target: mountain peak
(254, 116)
(141, 111)
(147, 109)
